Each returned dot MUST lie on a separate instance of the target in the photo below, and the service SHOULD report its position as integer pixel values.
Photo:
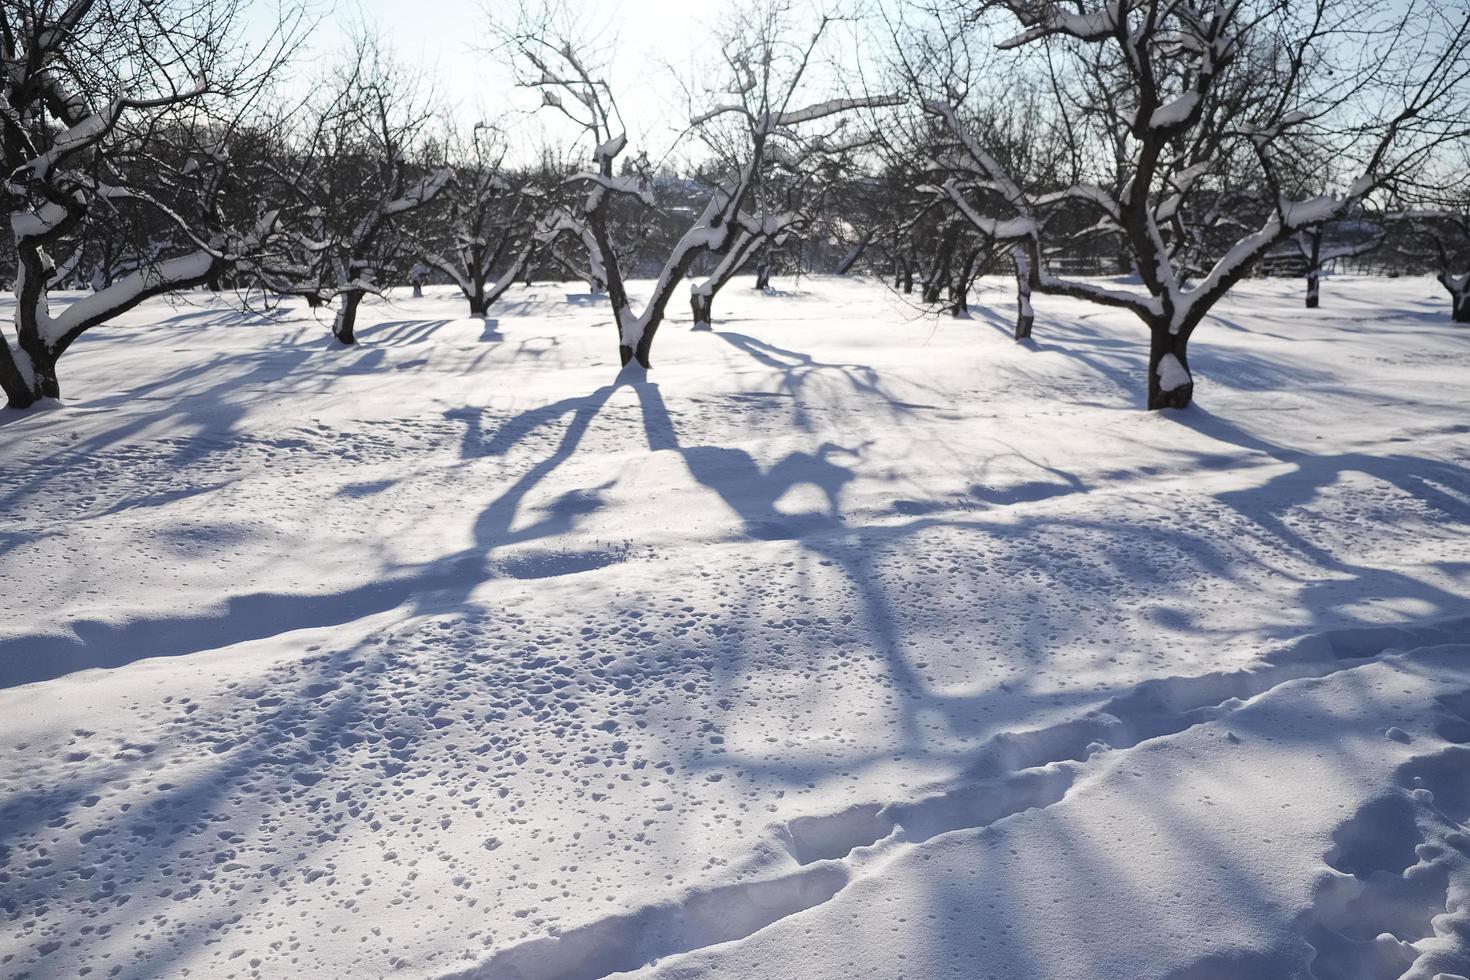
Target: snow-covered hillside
(846, 642)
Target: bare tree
(790, 161)
(1179, 75)
(1430, 227)
(119, 108)
(762, 98)
(1446, 231)
(483, 221)
(351, 180)
(1322, 246)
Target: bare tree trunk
(763, 274)
(702, 306)
(23, 392)
(959, 290)
(18, 393)
(938, 276)
(1025, 318)
(1170, 384)
(345, 324)
(1459, 290)
(850, 259)
(903, 275)
(1314, 269)
(479, 302)
(643, 353)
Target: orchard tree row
(1139, 154)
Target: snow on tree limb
(1046, 18)
(104, 304)
(778, 120)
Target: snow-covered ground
(848, 643)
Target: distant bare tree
(351, 181)
(1439, 238)
(1322, 246)
(483, 221)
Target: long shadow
(747, 489)
(1441, 485)
(400, 333)
(222, 828)
(798, 369)
(27, 659)
(751, 492)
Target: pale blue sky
(448, 39)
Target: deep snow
(849, 642)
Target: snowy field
(847, 643)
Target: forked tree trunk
(763, 274)
(28, 374)
(1025, 318)
(938, 276)
(1460, 312)
(479, 301)
(344, 326)
(643, 353)
(1170, 384)
(903, 274)
(1313, 289)
(959, 291)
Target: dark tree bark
(701, 305)
(1168, 364)
(903, 274)
(344, 325)
(938, 275)
(1314, 268)
(959, 289)
(32, 376)
(850, 259)
(1024, 315)
(763, 274)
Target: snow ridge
(1013, 773)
